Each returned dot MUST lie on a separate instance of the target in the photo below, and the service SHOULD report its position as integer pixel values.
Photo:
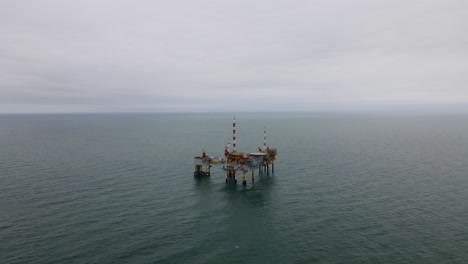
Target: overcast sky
(232, 56)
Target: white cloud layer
(256, 55)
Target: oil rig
(235, 161)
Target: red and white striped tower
(234, 134)
(264, 138)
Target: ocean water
(347, 188)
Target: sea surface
(347, 188)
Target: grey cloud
(82, 56)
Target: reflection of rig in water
(238, 161)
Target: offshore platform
(235, 161)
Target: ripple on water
(117, 188)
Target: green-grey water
(347, 188)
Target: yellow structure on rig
(238, 161)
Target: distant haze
(233, 56)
